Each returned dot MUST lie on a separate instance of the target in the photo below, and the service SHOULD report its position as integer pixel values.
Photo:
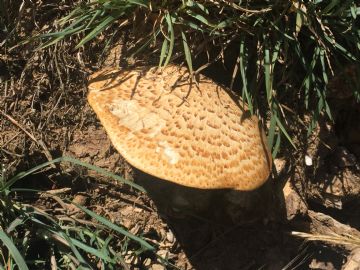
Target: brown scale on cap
(192, 134)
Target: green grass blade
(147, 43)
(243, 67)
(308, 80)
(142, 3)
(83, 264)
(268, 72)
(276, 147)
(91, 250)
(100, 27)
(341, 48)
(74, 161)
(164, 51)
(330, 6)
(322, 61)
(187, 52)
(172, 38)
(200, 18)
(272, 128)
(103, 172)
(116, 228)
(18, 258)
(283, 130)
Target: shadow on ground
(221, 229)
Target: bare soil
(44, 115)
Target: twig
(53, 260)
(57, 191)
(12, 120)
(8, 141)
(38, 142)
(327, 229)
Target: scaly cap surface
(192, 134)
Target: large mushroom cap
(192, 134)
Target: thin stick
(38, 142)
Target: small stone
(279, 164)
(131, 259)
(162, 233)
(294, 204)
(170, 237)
(80, 199)
(135, 229)
(318, 265)
(353, 262)
(147, 262)
(137, 210)
(308, 161)
(163, 253)
(157, 267)
(128, 259)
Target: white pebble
(308, 161)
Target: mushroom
(190, 133)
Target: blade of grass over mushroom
(164, 51)
(18, 258)
(243, 60)
(116, 228)
(74, 161)
(187, 52)
(169, 19)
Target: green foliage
(288, 50)
(72, 243)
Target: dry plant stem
(324, 224)
(53, 260)
(327, 229)
(31, 136)
(56, 191)
(235, 6)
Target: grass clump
(33, 238)
(284, 50)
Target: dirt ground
(44, 115)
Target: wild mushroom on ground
(193, 134)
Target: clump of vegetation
(32, 238)
(285, 49)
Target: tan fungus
(193, 134)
